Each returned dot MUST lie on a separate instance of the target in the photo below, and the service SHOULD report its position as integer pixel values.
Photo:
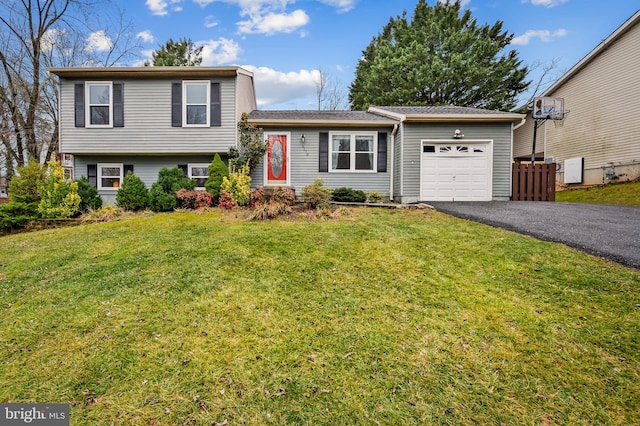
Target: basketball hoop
(558, 123)
(547, 108)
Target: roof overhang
(266, 122)
(145, 72)
(447, 118)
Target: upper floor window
(353, 151)
(196, 103)
(100, 104)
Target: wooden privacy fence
(534, 182)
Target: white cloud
(219, 52)
(277, 87)
(341, 5)
(546, 3)
(146, 36)
(544, 36)
(98, 42)
(159, 7)
(463, 3)
(51, 38)
(272, 23)
(210, 21)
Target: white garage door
(455, 172)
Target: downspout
(393, 143)
(524, 120)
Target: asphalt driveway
(611, 232)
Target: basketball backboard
(548, 108)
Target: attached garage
(456, 170)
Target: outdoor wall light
(457, 134)
(302, 138)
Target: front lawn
(619, 194)
(387, 317)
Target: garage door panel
(460, 175)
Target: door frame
(287, 135)
(486, 142)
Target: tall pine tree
(440, 57)
(182, 53)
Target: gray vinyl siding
(397, 164)
(145, 167)
(147, 123)
(499, 133)
(246, 96)
(304, 158)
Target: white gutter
(393, 142)
(517, 126)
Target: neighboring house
(598, 142)
(113, 120)
(4, 197)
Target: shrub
(105, 213)
(58, 197)
(89, 197)
(270, 210)
(163, 196)
(194, 199)
(348, 195)
(238, 185)
(226, 200)
(217, 170)
(251, 148)
(316, 195)
(283, 195)
(133, 194)
(16, 215)
(24, 187)
(257, 197)
(374, 197)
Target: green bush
(89, 197)
(16, 215)
(348, 195)
(24, 187)
(316, 195)
(163, 195)
(58, 197)
(374, 197)
(217, 171)
(132, 195)
(238, 185)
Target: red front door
(277, 160)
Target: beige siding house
(599, 140)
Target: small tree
(133, 194)
(251, 149)
(89, 197)
(181, 53)
(217, 171)
(163, 192)
(24, 187)
(58, 197)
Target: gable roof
(604, 45)
(423, 114)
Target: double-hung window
(353, 152)
(100, 104)
(199, 173)
(110, 176)
(195, 103)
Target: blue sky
(285, 42)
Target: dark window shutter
(184, 168)
(79, 104)
(382, 152)
(126, 169)
(118, 105)
(176, 104)
(92, 174)
(216, 106)
(323, 149)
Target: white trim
(440, 142)
(352, 151)
(265, 172)
(99, 168)
(190, 167)
(207, 85)
(88, 104)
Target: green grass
(379, 317)
(620, 194)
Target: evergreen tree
(182, 53)
(217, 171)
(133, 194)
(440, 57)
